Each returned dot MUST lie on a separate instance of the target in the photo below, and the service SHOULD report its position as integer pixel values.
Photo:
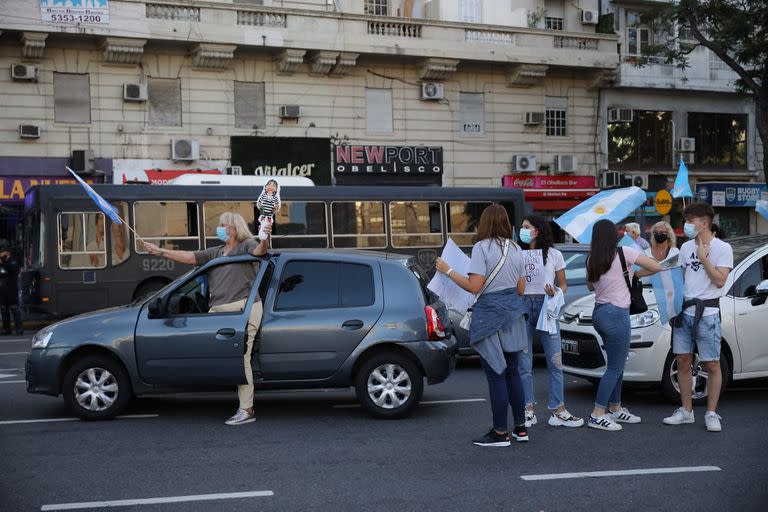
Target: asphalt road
(317, 451)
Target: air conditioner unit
(611, 179)
(29, 131)
(687, 157)
(620, 115)
(134, 92)
(687, 144)
(432, 91)
(82, 161)
(524, 163)
(589, 17)
(290, 111)
(634, 180)
(24, 72)
(234, 170)
(533, 118)
(565, 163)
(185, 149)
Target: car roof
(571, 247)
(346, 252)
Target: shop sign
(663, 202)
(75, 11)
(14, 189)
(731, 194)
(354, 159)
(526, 181)
(283, 156)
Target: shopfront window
(644, 142)
(721, 140)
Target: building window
(470, 11)
(551, 23)
(377, 7)
(164, 98)
(71, 98)
(557, 116)
(638, 34)
(721, 139)
(472, 113)
(378, 110)
(644, 142)
(249, 105)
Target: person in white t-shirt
(543, 277)
(706, 262)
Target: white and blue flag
(613, 205)
(762, 208)
(682, 187)
(102, 203)
(668, 288)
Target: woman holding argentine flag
(605, 276)
(663, 245)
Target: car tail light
(435, 330)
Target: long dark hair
(603, 249)
(494, 223)
(544, 236)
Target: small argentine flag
(668, 288)
(682, 188)
(762, 208)
(613, 205)
(102, 203)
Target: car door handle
(225, 334)
(352, 325)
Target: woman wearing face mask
(229, 287)
(663, 244)
(535, 233)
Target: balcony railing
(576, 43)
(489, 37)
(172, 12)
(394, 28)
(262, 19)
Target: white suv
(650, 361)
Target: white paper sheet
(533, 268)
(452, 294)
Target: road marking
(57, 420)
(15, 340)
(628, 472)
(154, 501)
(427, 402)
(746, 389)
(12, 381)
(12, 353)
(11, 369)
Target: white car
(744, 349)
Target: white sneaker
(603, 422)
(679, 417)
(624, 416)
(530, 418)
(712, 419)
(241, 417)
(565, 419)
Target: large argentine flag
(613, 205)
(102, 203)
(668, 288)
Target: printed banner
(75, 11)
(732, 194)
(551, 182)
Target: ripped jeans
(552, 351)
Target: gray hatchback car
(331, 319)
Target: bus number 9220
(156, 265)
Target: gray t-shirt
(229, 283)
(486, 255)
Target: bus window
(212, 210)
(119, 232)
(169, 224)
(300, 224)
(81, 240)
(415, 224)
(463, 217)
(359, 224)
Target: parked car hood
(585, 305)
(104, 326)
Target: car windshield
(744, 246)
(575, 267)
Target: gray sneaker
(241, 417)
(712, 419)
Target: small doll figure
(268, 204)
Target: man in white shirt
(706, 262)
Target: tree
(734, 30)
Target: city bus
(77, 260)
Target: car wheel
(389, 385)
(671, 387)
(96, 388)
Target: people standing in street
(542, 282)
(611, 319)
(498, 326)
(633, 230)
(706, 261)
(229, 287)
(9, 292)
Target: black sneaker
(492, 438)
(520, 434)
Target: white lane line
(13, 353)
(427, 402)
(57, 420)
(12, 381)
(11, 369)
(15, 340)
(154, 501)
(628, 472)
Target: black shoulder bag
(637, 302)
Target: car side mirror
(761, 293)
(155, 308)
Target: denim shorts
(707, 337)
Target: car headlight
(650, 317)
(42, 338)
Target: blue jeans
(505, 390)
(552, 351)
(612, 324)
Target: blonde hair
(634, 227)
(238, 222)
(671, 237)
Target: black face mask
(660, 237)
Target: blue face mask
(690, 230)
(525, 235)
(221, 232)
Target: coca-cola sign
(526, 181)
